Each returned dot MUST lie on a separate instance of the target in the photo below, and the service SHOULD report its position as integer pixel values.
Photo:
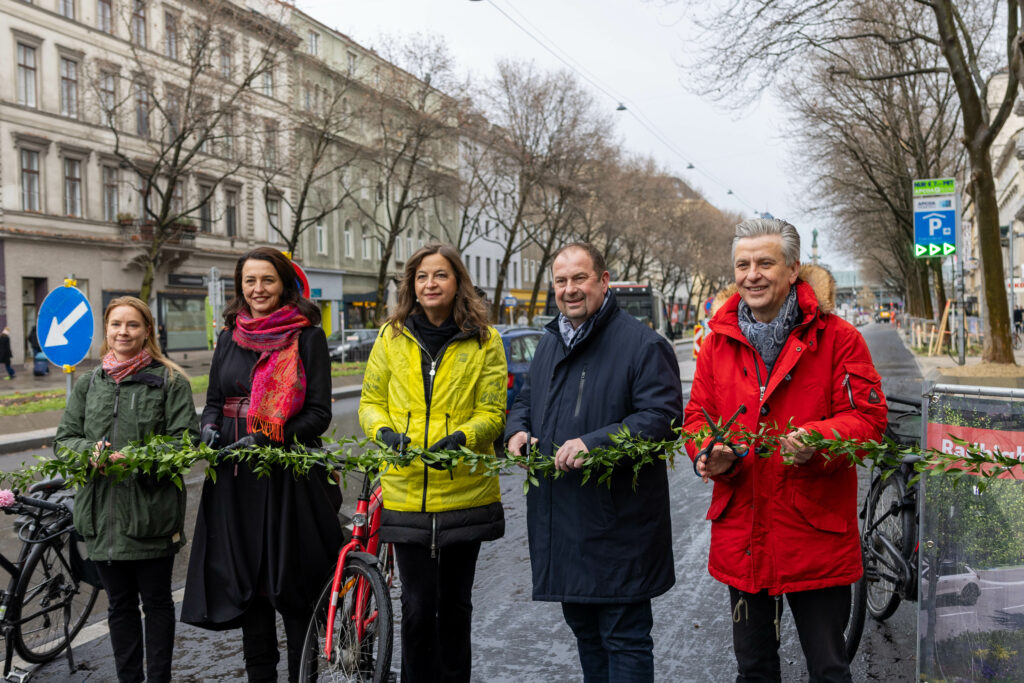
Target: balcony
(143, 232)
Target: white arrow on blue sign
(65, 326)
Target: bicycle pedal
(18, 675)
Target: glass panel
(971, 609)
(185, 320)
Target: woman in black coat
(5, 352)
(264, 543)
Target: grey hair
(755, 227)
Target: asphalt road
(521, 641)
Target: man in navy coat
(603, 552)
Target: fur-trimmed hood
(820, 280)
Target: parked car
(355, 345)
(520, 345)
(958, 584)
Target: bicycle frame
(366, 542)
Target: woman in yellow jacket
(437, 379)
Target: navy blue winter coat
(591, 543)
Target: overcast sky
(632, 49)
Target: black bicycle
(889, 535)
(47, 600)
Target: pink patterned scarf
(278, 378)
(119, 369)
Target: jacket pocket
(154, 510)
(84, 517)
(863, 385)
(720, 497)
(819, 516)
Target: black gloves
(452, 442)
(210, 436)
(248, 441)
(392, 439)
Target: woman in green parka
(132, 527)
(437, 380)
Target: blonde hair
(150, 344)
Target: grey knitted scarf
(768, 338)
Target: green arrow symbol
(920, 249)
(933, 249)
(948, 249)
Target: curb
(12, 443)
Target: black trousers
(125, 582)
(614, 640)
(437, 611)
(820, 617)
(259, 641)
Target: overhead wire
(584, 73)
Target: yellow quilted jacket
(468, 396)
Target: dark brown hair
(290, 295)
(468, 309)
(596, 257)
(151, 342)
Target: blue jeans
(10, 369)
(614, 640)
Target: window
(173, 111)
(73, 187)
(30, 180)
(364, 188)
(108, 97)
(226, 57)
(229, 135)
(139, 23)
(170, 36)
(477, 278)
(66, 8)
(110, 186)
(351, 62)
(270, 143)
(488, 272)
(141, 110)
(105, 15)
(409, 245)
(145, 199)
(314, 43)
(68, 87)
(268, 82)
(398, 249)
(515, 275)
(26, 75)
(321, 238)
(348, 239)
(273, 220)
(178, 198)
(367, 243)
(231, 213)
(206, 209)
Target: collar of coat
(601, 318)
(815, 290)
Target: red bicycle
(350, 634)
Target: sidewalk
(941, 369)
(21, 432)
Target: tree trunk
(938, 284)
(997, 347)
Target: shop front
(325, 290)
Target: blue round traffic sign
(65, 326)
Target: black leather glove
(210, 436)
(452, 442)
(248, 441)
(392, 439)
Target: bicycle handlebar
(43, 504)
(904, 400)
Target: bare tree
(304, 156)
(177, 113)
(550, 128)
(409, 162)
(773, 33)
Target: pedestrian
(602, 551)
(264, 543)
(5, 352)
(33, 341)
(784, 521)
(132, 526)
(162, 334)
(436, 379)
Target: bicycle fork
(357, 543)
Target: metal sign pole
(958, 265)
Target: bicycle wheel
(885, 519)
(855, 623)
(1018, 340)
(47, 597)
(362, 598)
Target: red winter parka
(775, 526)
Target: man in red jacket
(785, 524)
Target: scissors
(721, 435)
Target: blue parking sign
(65, 326)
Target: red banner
(988, 440)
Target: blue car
(520, 345)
